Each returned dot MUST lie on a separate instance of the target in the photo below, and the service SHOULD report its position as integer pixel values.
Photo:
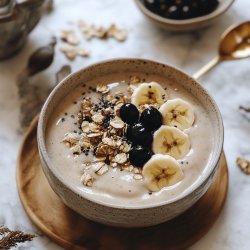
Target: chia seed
(87, 118)
(107, 161)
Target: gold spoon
(234, 44)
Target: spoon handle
(207, 67)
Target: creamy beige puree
(119, 187)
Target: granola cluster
(102, 134)
(243, 164)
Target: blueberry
(139, 155)
(175, 12)
(151, 118)
(138, 134)
(129, 113)
(152, 5)
(207, 6)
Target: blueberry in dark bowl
(174, 12)
(207, 6)
(151, 118)
(138, 134)
(139, 155)
(129, 113)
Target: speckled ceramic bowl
(125, 215)
(187, 24)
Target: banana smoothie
(133, 141)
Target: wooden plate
(72, 231)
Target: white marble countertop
(229, 84)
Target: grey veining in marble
(229, 84)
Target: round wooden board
(72, 231)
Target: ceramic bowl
(125, 215)
(188, 24)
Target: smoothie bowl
(130, 142)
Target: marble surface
(229, 84)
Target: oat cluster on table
(71, 46)
(243, 164)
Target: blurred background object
(183, 15)
(234, 44)
(17, 19)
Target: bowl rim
(41, 130)
(178, 23)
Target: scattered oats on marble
(69, 36)
(72, 52)
(115, 32)
(91, 30)
(243, 164)
(82, 52)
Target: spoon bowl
(234, 44)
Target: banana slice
(177, 112)
(161, 171)
(171, 141)
(148, 93)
